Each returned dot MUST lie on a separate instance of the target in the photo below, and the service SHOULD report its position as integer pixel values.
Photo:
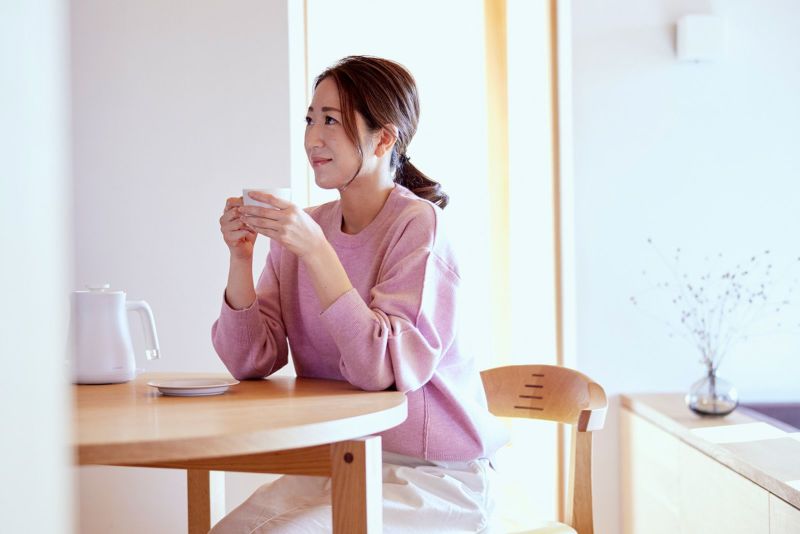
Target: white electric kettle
(100, 340)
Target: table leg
(357, 486)
(206, 499)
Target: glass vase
(711, 395)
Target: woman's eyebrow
(325, 108)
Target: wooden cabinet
(669, 486)
(650, 482)
(783, 517)
(715, 499)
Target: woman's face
(331, 154)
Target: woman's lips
(319, 162)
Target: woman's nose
(313, 137)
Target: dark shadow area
(786, 413)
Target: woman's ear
(386, 138)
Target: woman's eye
(308, 121)
(330, 120)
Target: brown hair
(384, 93)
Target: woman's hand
(289, 225)
(237, 235)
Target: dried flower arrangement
(725, 305)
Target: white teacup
(281, 192)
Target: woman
(364, 289)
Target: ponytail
(418, 183)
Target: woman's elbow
(368, 381)
(246, 374)
(376, 386)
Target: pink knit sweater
(395, 329)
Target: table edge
(255, 442)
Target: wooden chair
(556, 394)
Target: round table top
(132, 423)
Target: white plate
(193, 387)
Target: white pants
(418, 497)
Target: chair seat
(548, 528)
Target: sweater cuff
(344, 318)
(245, 321)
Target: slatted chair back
(558, 394)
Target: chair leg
(357, 495)
(579, 501)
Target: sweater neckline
(366, 233)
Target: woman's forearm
(327, 274)
(240, 292)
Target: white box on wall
(700, 38)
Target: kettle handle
(151, 338)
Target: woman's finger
(230, 215)
(267, 232)
(240, 235)
(258, 211)
(232, 202)
(272, 200)
(232, 226)
(260, 223)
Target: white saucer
(193, 387)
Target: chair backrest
(556, 394)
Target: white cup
(281, 192)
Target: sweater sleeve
(401, 334)
(252, 342)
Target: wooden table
(279, 425)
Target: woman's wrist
(240, 292)
(241, 261)
(319, 253)
(327, 274)
(238, 302)
(322, 258)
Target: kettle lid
(100, 289)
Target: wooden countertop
(758, 448)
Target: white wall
(699, 156)
(177, 105)
(36, 266)
(450, 144)
(451, 147)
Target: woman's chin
(326, 185)
(325, 182)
